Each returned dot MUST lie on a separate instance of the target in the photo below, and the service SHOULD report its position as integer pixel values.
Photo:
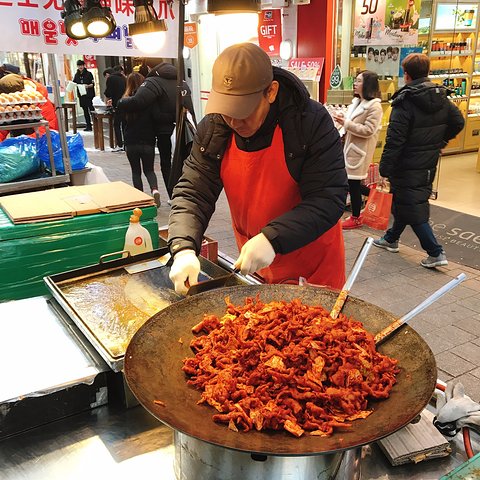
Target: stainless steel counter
(131, 444)
(39, 354)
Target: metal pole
(177, 159)
(52, 60)
(180, 62)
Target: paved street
(393, 281)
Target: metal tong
(211, 283)
(342, 296)
(393, 327)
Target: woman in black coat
(140, 140)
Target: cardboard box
(68, 202)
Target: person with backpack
(159, 90)
(279, 157)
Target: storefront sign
(190, 38)
(270, 31)
(380, 23)
(36, 26)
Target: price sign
(307, 64)
(336, 77)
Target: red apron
(259, 188)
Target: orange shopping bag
(377, 210)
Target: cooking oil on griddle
(114, 306)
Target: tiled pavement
(393, 281)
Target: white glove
(256, 254)
(185, 268)
(456, 410)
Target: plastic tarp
(78, 154)
(18, 158)
(31, 251)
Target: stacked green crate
(29, 252)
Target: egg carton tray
(25, 102)
(8, 121)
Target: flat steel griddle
(153, 369)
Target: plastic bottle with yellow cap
(137, 238)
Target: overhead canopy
(36, 26)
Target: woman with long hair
(140, 140)
(361, 125)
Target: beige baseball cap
(240, 75)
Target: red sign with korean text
(37, 26)
(270, 31)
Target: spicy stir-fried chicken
(285, 365)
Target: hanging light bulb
(286, 49)
(148, 31)
(72, 16)
(98, 20)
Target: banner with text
(270, 31)
(379, 23)
(36, 26)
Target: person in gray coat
(422, 122)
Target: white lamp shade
(149, 42)
(286, 50)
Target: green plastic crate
(29, 252)
(469, 470)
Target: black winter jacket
(115, 87)
(314, 157)
(422, 122)
(158, 92)
(140, 128)
(85, 78)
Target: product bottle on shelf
(137, 238)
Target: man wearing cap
(86, 92)
(279, 158)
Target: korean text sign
(37, 26)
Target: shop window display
(380, 33)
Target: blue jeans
(424, 233)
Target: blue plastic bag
(18, 158)
(78, 154)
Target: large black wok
(153, 369)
